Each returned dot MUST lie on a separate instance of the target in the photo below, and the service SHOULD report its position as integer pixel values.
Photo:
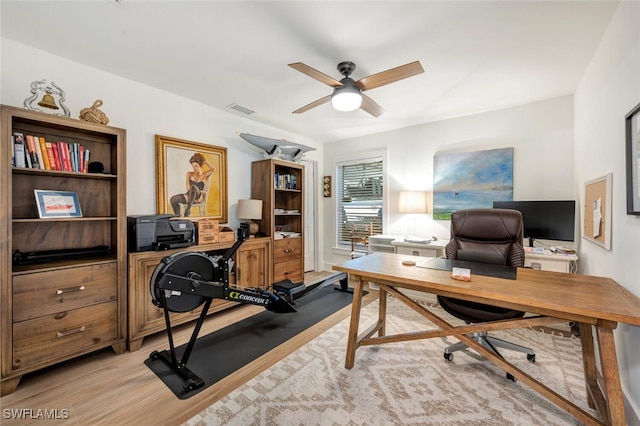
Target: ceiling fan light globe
(346, 100)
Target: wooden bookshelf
(54, 310)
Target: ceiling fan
(347, 94)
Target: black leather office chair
(485, 236)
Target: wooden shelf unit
(57, 310)
(288, 253)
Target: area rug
(407, 383)
(220, 353)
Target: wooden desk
(593, 302)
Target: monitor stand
(531, 240)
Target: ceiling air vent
(241, 109)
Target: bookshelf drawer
(291, 269)
(287, 249)
(65, 333)
(45, 293)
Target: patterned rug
(407, 383)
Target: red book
(56, 155)
(67, 154)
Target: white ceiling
(477, 55)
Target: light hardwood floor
(104, 388)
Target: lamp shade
(250, 209)
(346, 97)
(413, 202)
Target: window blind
(360, 200)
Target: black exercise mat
(222, 352)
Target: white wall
(143, 111)
(608, 90)
(540, 133)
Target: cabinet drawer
(76, 331)
(287, 249)
(291, 269)
(45, 293)
(423, 252)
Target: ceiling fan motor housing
(346, 68)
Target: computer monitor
(544, 220)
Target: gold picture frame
(191, 179)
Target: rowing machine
(183, 281)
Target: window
(360, 199)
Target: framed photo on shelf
(57, 204)
(191, 179)
(632, 126)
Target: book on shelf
(33, 154)
(19, 150)
(278, 235)
(36, 143)
(284, 181)
(56, 155)
(43, 152)
(51, 155)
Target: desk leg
(356, 305)
(611, 376)
(382, 310)
(608, 401)
(589, 362)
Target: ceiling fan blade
(390, 76)
(313, 105)
(314, 73)
(370, 106)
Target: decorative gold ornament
(93, 114)
(48, 99)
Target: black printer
(159, 232)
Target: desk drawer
(51, 336)
(423, 252)
(45, 293)
(287, 249)
(291, 269)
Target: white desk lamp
(250, 210)
(413, 202)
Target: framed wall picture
(633, 160)
(597, 211)
(57, 204)
(191, 179)
(463, 180)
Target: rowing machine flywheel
(184, 264)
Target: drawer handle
(70, 289)
(80, 330)
(289, 250)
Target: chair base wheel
(511, 377)
(531, 357)
(448, 357)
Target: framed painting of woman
(191, 179)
